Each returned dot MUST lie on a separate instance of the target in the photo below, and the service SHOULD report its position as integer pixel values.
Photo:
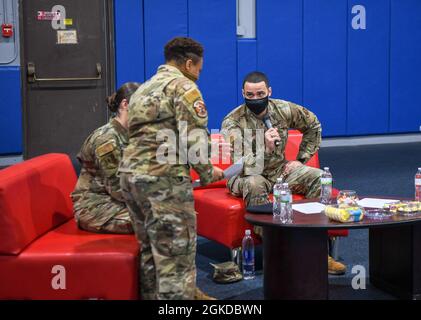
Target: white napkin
(309, 207)
(375, 203)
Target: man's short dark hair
(180, 49)
(256, 77)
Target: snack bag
(344, 214)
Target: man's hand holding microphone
(272, 138)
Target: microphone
(268, 125)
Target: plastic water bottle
(286, 200)
(277, 198)
(418, 185)
(248, 256)
(326, 186)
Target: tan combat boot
(335, 267)
(200, 295)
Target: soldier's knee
(173, 239)
(311, 175)
(314, 188)
(256, 184)
(316, 173)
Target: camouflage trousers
(102, 214)
(255, 189)
(162, 210)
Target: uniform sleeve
(108, 155)
(306, 122)
(233, 134)
(192, 119)
(252, 150)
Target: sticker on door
(67, 37)
(47, 15)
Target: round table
(295, 254)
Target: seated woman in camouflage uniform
(98, 203)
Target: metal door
(67, 71)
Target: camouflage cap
(226, 272)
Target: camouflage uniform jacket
(100, 156)
(284, 115)
(168, 104)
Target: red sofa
(221, 216)
(43, 255)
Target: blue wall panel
(405, 84)
(129, 42)
(368, 70)
(164, 20)
(325, 58)
(279, 46)
(247, 62)
(307, 48)
(10, 111)
(213, 23)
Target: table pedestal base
(295, 263)
(395, 260)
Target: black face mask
(257, 106)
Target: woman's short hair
(180, 49)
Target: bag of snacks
(344, 214)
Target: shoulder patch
(192, 95)
(187, 86)
(200, 109)
(104, 149)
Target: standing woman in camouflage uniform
(159, 193)
(98, 203)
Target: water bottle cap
(248, 232)
(326, 168)
(279, 180)
(419, 169)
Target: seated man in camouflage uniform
(262, 170)
(97, 199)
